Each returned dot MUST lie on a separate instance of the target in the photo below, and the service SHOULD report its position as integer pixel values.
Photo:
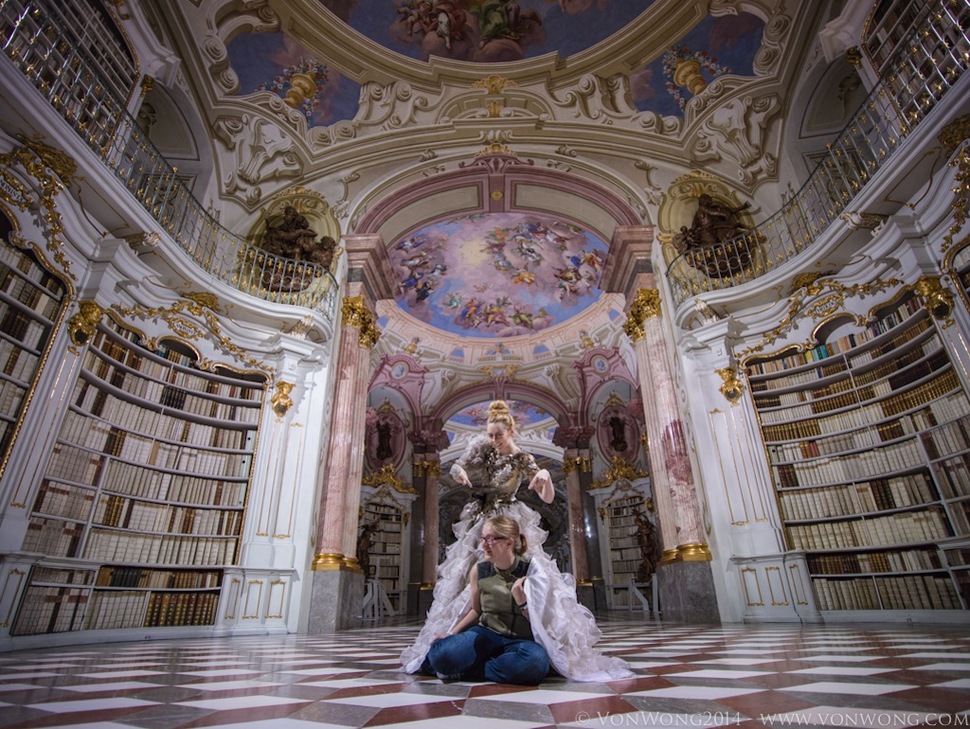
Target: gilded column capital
(939, 300)
(645, 305)
(83, 324)
(356, 314)
(281, 400)
(577, 464)
(732, 388)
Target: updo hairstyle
(506, 526)
(499, 412)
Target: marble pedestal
(337, 601)
(687, 593)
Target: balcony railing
(926, 65)
(82, 74)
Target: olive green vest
(499, 611)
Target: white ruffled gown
(564, 627)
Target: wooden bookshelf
(625, 549)
(387, 549)
(867, 435)
(145, 487)
(31, 300)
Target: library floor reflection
(687, 676)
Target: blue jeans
(479, 653)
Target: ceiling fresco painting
(487, 31)
(274, 62)
(497, 275)
(715, 47)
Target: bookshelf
(31, 302)
(386, 549)
(141, 505)
(624, 514)
(867, 434)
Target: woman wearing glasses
(566, 630)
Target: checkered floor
(733, 675)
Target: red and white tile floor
(878, 677)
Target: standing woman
(566, 629)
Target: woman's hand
(461, 477)
(542, 484)
(518, 591)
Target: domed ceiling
(515, 29)
(499, 275)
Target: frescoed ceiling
(275, 62)
(497, 275)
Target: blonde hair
(506, 526)
(499, 412)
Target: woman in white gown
(566, 629)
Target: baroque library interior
(264, 265)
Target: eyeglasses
(490, 540)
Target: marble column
(429, 564)
(685, 580)
(572, 463)
(337, 577)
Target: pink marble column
(670, 466)
(429, 563)
(337, 526)
(572, 464)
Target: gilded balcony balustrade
(920, 53)
(72, 53)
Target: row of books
(622, 539)
(947, 406)
(181, 608)
(156, 517)
(84, 428)
(11, 396)
(65, 500)
(953, 476)
(60, 576)
(22, 263)
(16, 362)
(68, 463)
(20, 327)
(111, 545)
(910, 560)
(910, 527)
(848, 343)
(856, 499)
(947, 440)
(146, 416)
(150, 483)
(913, 592)
(47, 609)
(151, 579)
(15, 291)
(154, 391)
(108, 359)
(115, 610)
(864, 466)
(53, 537)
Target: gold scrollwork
(732, 388)
(83, 324)
(954, 136)
(578, 464)
(800, 306)
(40, 160)
(387, 475)
(619, 469)
(645, 305)
(494, 84)
(281, 400)
(201, 305)
(356, 314)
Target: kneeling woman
(493, 640)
